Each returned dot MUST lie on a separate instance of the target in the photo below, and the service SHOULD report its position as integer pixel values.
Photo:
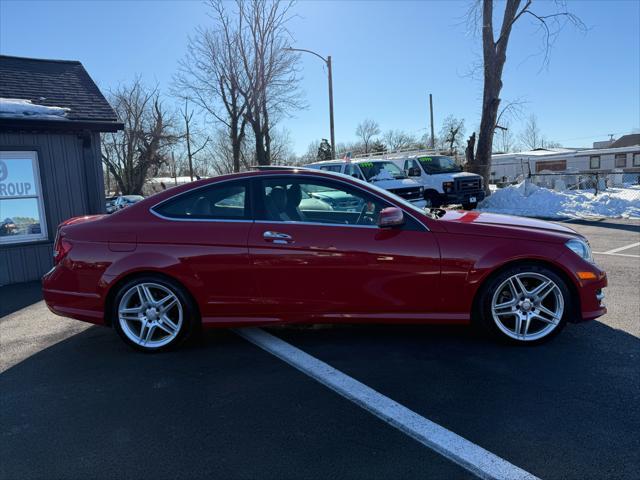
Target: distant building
(51, 117)
(620, 155)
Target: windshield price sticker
(426, 159)
(366, 164)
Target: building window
(636, 159)
(621, 160)
(22, 217)
(552, 165)
(594, 162)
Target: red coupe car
(283, 246)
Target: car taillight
(61, 249)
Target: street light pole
(333, 138)
(327, 62)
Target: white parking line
(619, 249)
(617, 254)
(468, 455)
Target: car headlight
(447, 186)
(580, 248)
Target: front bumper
(464, 197)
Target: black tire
(433, 199)
(190, 319)
(469, 206)
(485, 316)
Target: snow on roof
(22, 108)
(170, 180)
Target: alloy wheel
(527, 306)
(150, 315)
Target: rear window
(224, 201)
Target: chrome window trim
(292, 222)
(276, 174)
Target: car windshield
(381, 171)
(439, 164)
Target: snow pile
(20, 108)
(530, 200)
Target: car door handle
(277, 237)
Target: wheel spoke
(526, 321)
(520, 286)
(167, 302)
(145, 294)
(518, 324)
(546, 291)
(537, 316)
(554, 316)
(544, 284)
(167, 325)
(149, 333)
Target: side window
(227, 201)
(331, 168)
(353, 171)
(594, 162)
(318, 201)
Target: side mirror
(413, 172)
(390, 217)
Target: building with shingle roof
(51, 117)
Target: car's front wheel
(525, 304)
(152, 313)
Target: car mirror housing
(413, 172)
(390, 217)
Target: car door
(335, 263)
(206, 229)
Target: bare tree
(269, 68)
(494, 53)
(366, 131)
(192, 150)
(212, 74)
(142, 146)
(505, 141)
(531, 136)
(398, 140)
(451, 133)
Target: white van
(382, 173)
(443, 180)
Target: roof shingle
(58, 83)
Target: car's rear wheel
(525, 304)
(152, 314)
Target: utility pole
(433, 138)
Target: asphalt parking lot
(77, 403)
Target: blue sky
(387, 57)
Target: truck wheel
(469, 206)
(433, 199)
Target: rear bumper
(68, 302)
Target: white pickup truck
(382, 173)
(443, 180)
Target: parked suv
(443, 180)
(382, 173)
